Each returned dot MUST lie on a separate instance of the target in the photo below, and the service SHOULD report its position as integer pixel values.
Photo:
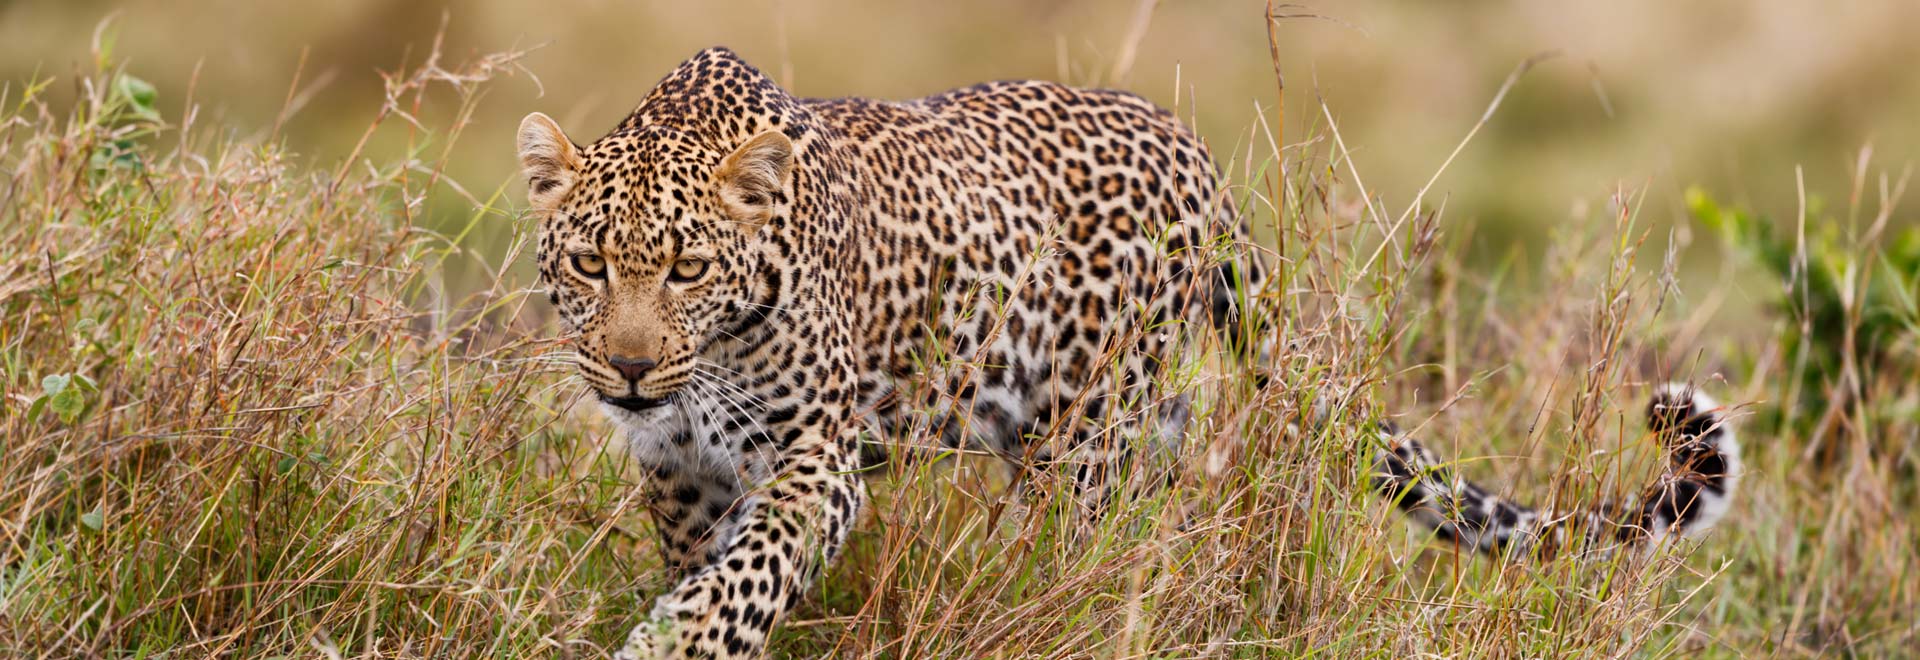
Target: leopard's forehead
(648, 183)
(640, 188)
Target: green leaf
(286, 465)
(38, 406)
(94, 519)
(138, 93)
(54, 384)
(67, 404)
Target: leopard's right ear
(551, 162)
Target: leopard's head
(648, 243)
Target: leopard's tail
(1691, 494)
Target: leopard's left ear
(750, 178)
(551, 162)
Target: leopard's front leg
(788, 533)
(692, 510)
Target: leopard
(755, 286)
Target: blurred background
(1646, 95)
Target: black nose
(633, 368)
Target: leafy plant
(129, 116)
(1848, 300)
(65, 395)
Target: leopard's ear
(753, 176)
(551, 162)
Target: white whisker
(703, 391)
(734, 387)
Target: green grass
(248, 414)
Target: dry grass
(242, 420)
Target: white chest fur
(691, 436)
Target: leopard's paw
(651, 640)
(691, 598)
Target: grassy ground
(243, 418)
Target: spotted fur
(1689, 496)
(757, 280)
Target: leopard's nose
(633, 368)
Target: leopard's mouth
(633, 403)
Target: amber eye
(590, 266)
(687, 269)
